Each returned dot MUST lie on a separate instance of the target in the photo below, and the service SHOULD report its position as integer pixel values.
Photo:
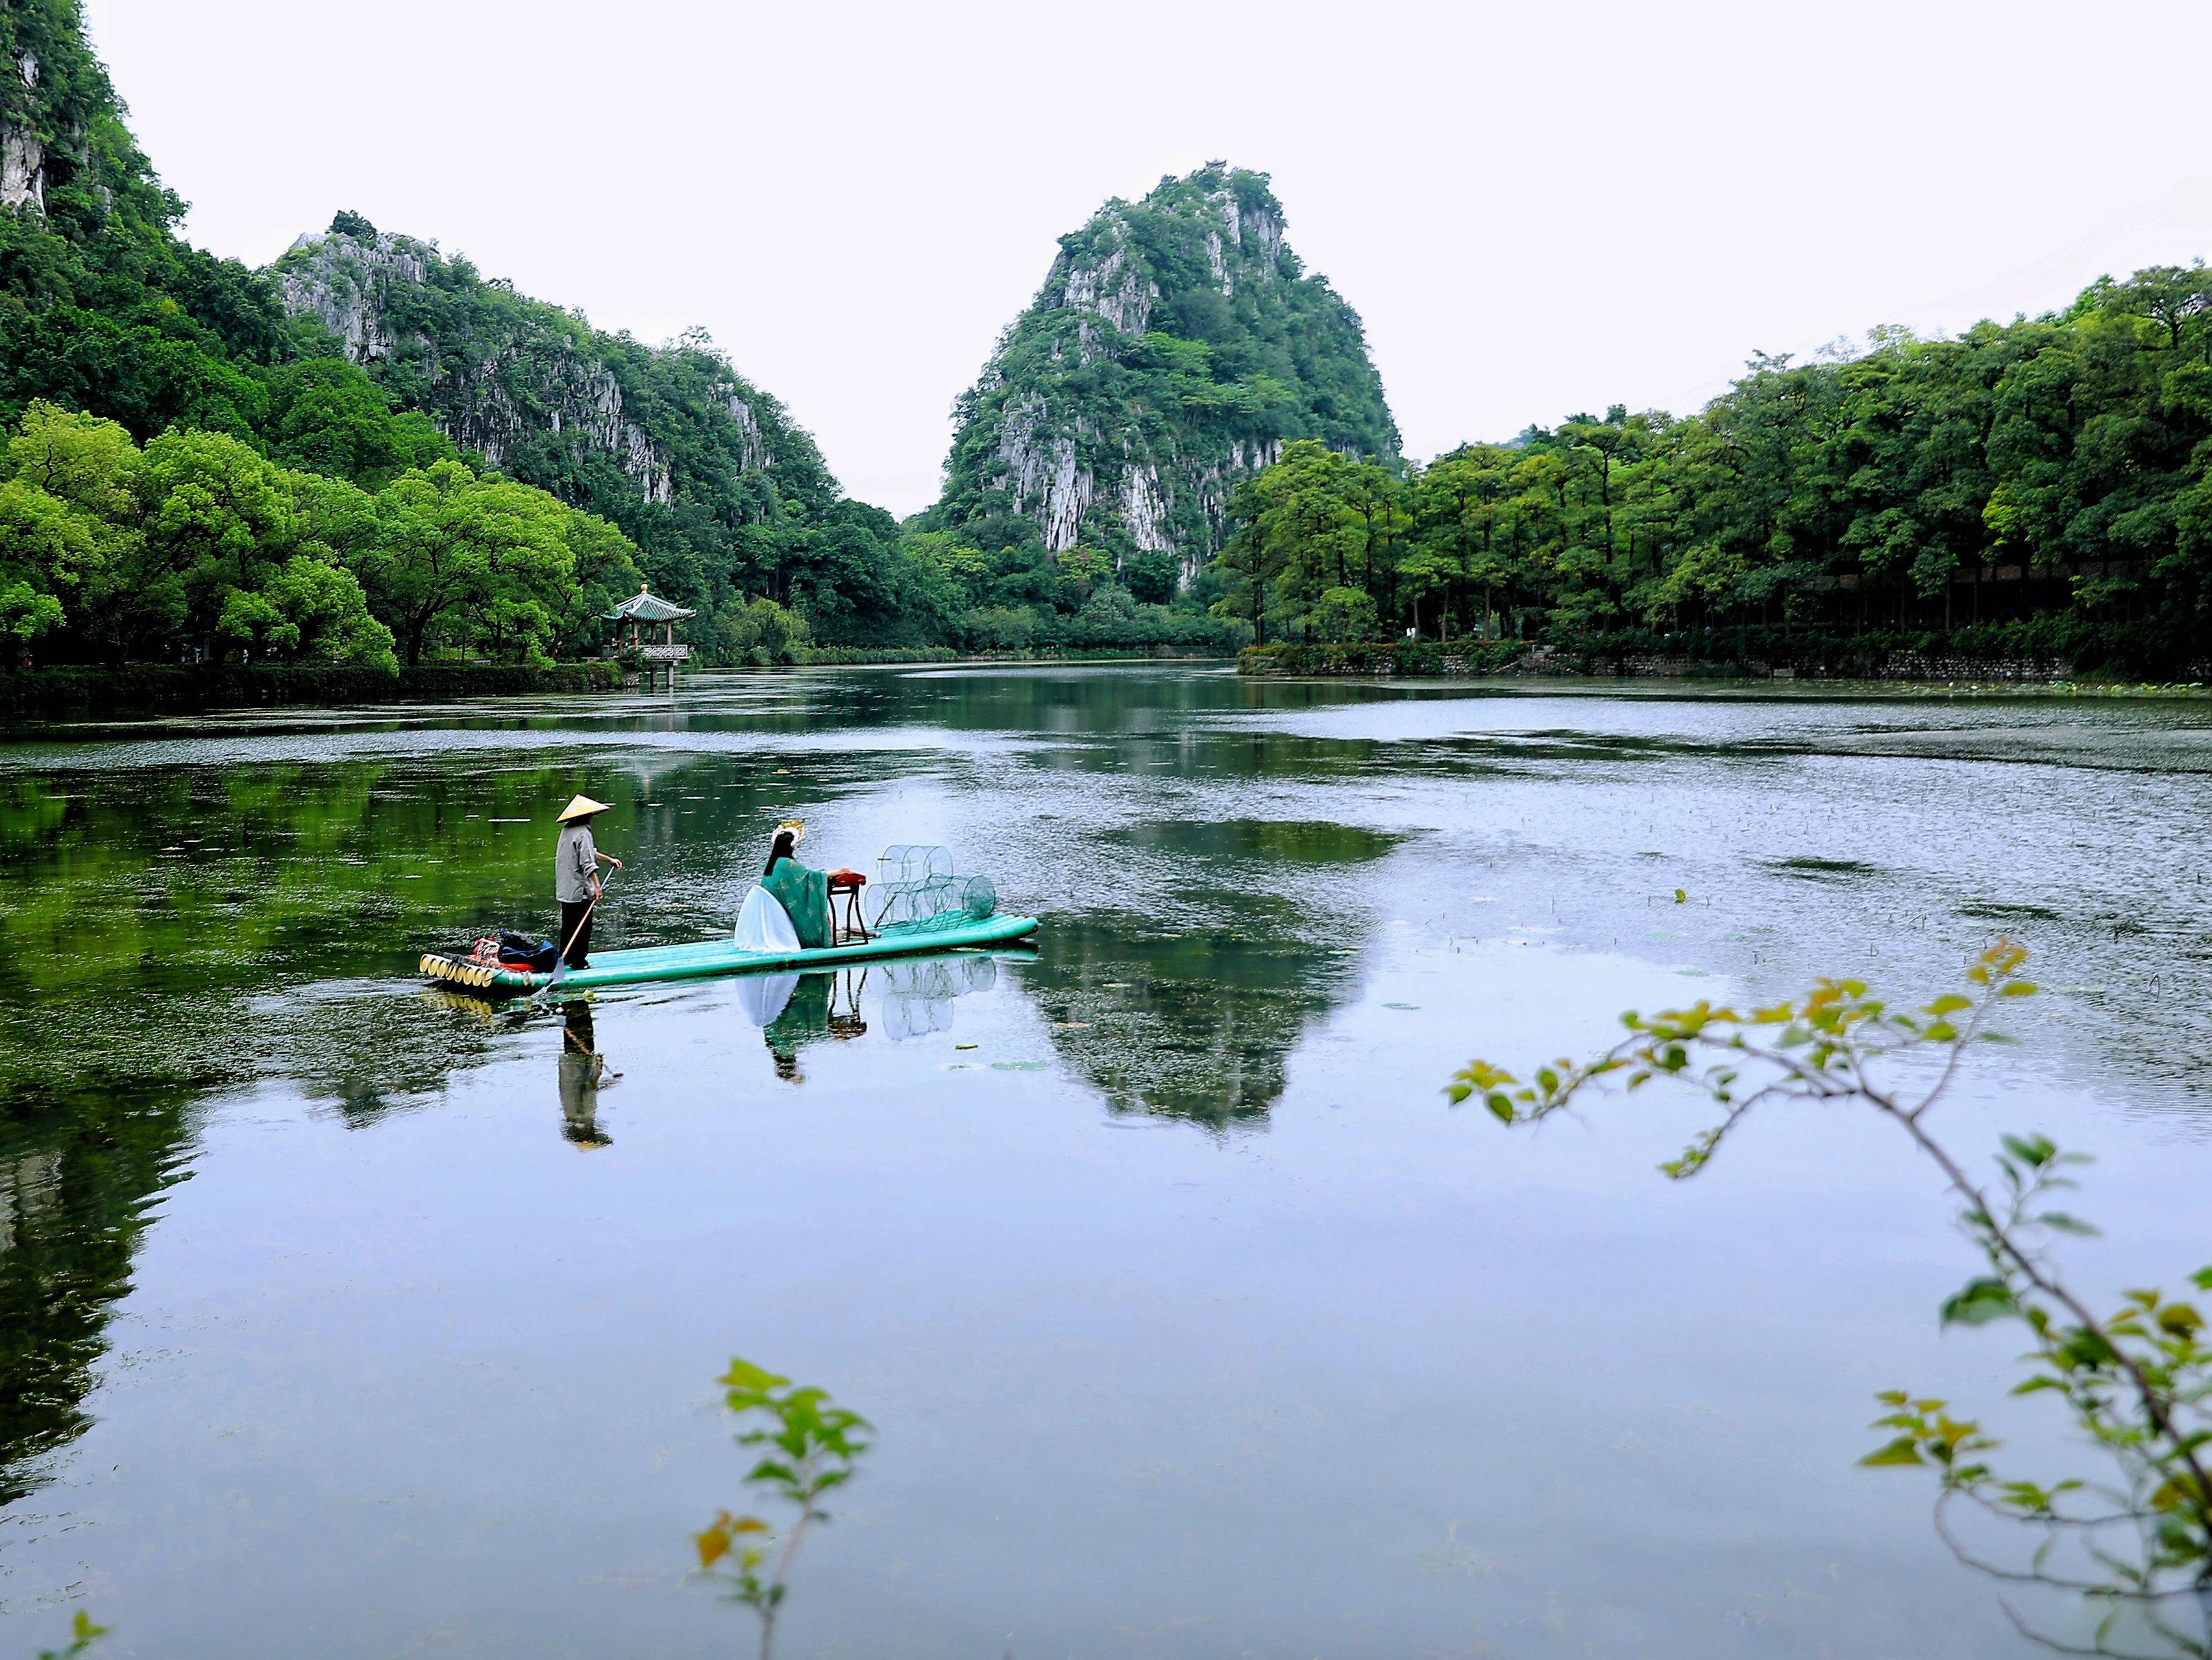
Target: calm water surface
(338, 1317)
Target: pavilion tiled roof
(643, 607)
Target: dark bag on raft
(520, 951)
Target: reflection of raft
(711, 957)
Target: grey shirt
(576, 864)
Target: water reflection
(805, 1018)
(917, 994)
(78, 1184)
(913, 997)
(205, 939)
(584, 1074)
(200, 925)
(368, 1049)
(1270, 842)
(1193, 1007)
(1195, 1022)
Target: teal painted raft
(711, 957)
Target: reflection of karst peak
(1187, 997)
(1194, 1024)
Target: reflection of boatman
(583, 1073)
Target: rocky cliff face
(22, 151)
(54, 95)
(540, 394)
(1176, 346)
(365, 288)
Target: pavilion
(646, 611)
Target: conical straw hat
(582, 807)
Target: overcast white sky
(1537, 209)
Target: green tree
(1301, 527)
(305, 609)
(1152, 574)
(474, 558)
(61, 544)
(326, 417)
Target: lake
(341, 1316)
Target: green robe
(805, 1018)
(805, 896)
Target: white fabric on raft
(764, 925)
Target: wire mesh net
(916, 888)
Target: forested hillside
(188, 472)
(726, 499)
(372, 452)
(1177, 344)
(2051, 475)
(197, 463)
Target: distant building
(646, 612)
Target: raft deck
(710, 958)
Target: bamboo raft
(711, 958)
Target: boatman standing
(577, 861)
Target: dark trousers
(572, 915)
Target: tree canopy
(198, 544)
(2055, 465)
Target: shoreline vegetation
(1887, 663)
(147, 688)
(2064, 653)
(2030, 500)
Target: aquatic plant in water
(810, 1446)
(2134, 1545)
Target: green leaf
(2173, 1494)
(744, 1375)
(1899, 1451)
(2065, 1223)
(2180, 1319)
(1500, 1108)
(1981, 1302)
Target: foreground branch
(2136, 1381)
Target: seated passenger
(789, 908)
